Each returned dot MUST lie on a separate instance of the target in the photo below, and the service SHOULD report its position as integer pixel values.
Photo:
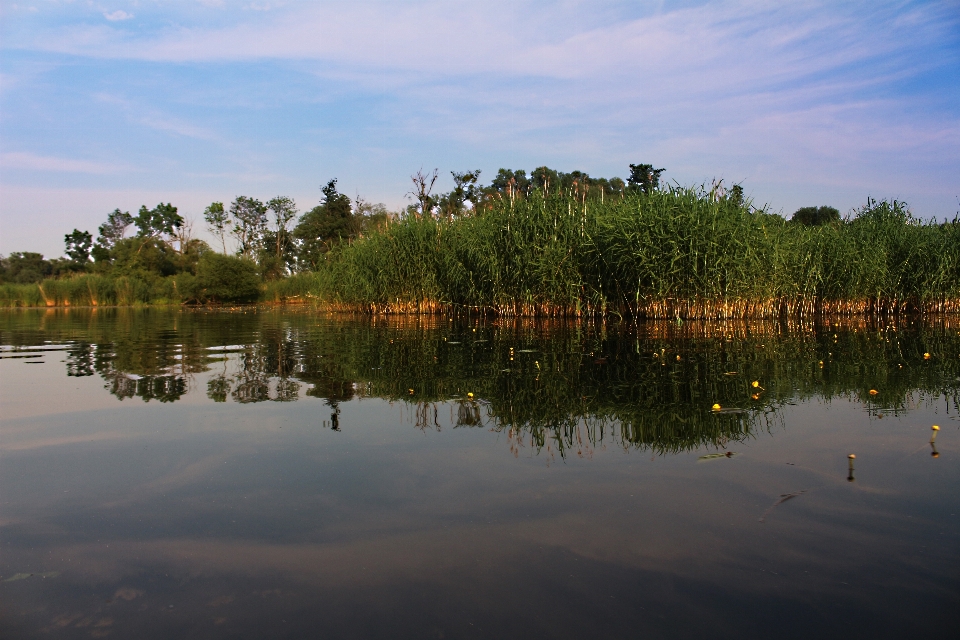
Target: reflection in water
(229, 512)
(571, 387)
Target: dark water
(283, 474)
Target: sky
(115, 104)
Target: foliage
(324, 227)
(24, 266)
(222, 278)
(218, 222)
(815, 216)
(644, 178)
(678, 253)
(78, 245)
(249, 224)
(162, 220)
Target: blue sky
(117, 104)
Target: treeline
(551, 243)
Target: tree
(545, 179)
(736, 195)
(465, 189)
(815, 216)
(78, 245)
(157, 222)
(25, 266)
(114, 228)
(510, 184)
(284, 210)
(249, 223)
(644, 178)
(324, 226)
(422, 186)
(218, 221)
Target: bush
(222, 278)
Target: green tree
(113, 230)
(24, 267)
(815, 216)
(465, 189)
(736, 195)
(324, 226)
(162, 220)
(644, 178)
(218, 222)
(249, 224)
(222, 278)
(78, 245)
(510, 184)
(284, 211)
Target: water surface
(286, 474)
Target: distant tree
(324, 226)
(370, 217)
(162, 220)
(113, 230)
(24, 267)
(736, 195)
(644, 178)
(815, 216)
(284, 210)
(545, 179)
(249, 224)
(465, 189)
(78, 245)
(422, 187)
(510, 184)
(218, 222)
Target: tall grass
(678, 253)
(92, 290)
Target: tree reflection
(80, 360)
(567, 388)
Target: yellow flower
(716, 407)
(873, 392)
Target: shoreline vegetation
(581, 248)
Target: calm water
(282, 474)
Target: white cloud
(118, 16)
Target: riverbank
(680, 253)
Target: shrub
(222, 278)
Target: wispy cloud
(155, 119)
(33, 162)
(118, 16)
(796, 99)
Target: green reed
(94, 290)
(676, 253)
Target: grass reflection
(567, 387)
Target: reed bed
(678, 254)
(94, 290)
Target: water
(283, 474)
